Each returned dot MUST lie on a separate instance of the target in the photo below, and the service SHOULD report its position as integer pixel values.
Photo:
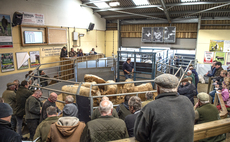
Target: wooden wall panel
(215, 24)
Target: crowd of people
(159, 120)
(73, 53)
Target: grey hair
(189, 71)
(149, 95)
(135, 102)
(11, 86)
(51, 110)
(106, 109)
(69, 99)
(37, 92)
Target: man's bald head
(53, 97)
(105, 98)
(106, 107)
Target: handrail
(183, 74)
(178, 71)
(223, 113)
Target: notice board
(57, 36)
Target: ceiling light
(101, 5)
(160, 8)
(188, 0)
(141, 2)
(114, 3)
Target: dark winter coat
(7, 134)
(32, 108)
(9, 97)
(97, 114)
(21, 95)
(103, 129)
(189, 90)
(63, 53)
(217, 73)
(44, 107)
(129, 121)
(170, 118)
(196, 76)
(123, 110)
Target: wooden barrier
(67, 67)
(202, 131)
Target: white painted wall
(66, 13)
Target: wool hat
(9, 84)
(167, 81)
(203, 96)
(5, 110)
(186, 79)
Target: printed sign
(220, 57)
(5, 32)
(33, 18)
(7, 62)
(208, 57)
(227, 46)
(216, 45)
(50, 51)
(34, 59)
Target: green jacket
(21, 95)
(123, 112)
(193, 78)
(146, 102)
(105, 128)
(208, 113)
(9, 97)
(44, 127)
(32, 108)
(97, 114)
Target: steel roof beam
(152, 6)
(161, 13)
(94, 1)
(165, 10)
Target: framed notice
(146, 34)
(216, 45)
(208, 57)
(34, 59)
(158, 34)
(22, 60)
(7, 62)
(220, 57)
(170, 34)
(5, 32)
(227, 46)
(228, 59)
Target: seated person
(187, 89)
(92, 52)
(43, 81)
(123, 108)
(213, 69)
(77, 51)
(96, 113)
(219, 68)
(225, 94)
(80, 53)
(66, 129)
(63, 52)
(106, 127)
(190, 74)
(206, 112)
(44, 127)
(134, 107)
(70, 109)
(72, 53)
(148, 97)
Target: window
(141, 2)
(101, 5)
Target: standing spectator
(80, 53)
(70, 109)
(63, 52)
(148, 97)
(43, 81)
(4, 24)
(44, 127)
(213, 69)
(51, 101)
(72, 53)
(21, 95)
(66, 129)
(187, 89)
(134, 107)
(10, 98)
(106, 127)
(127, 68)
(169, 118)
(96, 113)
(219, 68)
(77, 51)
(32, 108)
(195, 75)
(6, 133)
(17, 83)
(190, 74)
(123, 108)
(206, 112)
(92, 52)
(1, 100)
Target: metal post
(135, 65)
(91, 101)
(86, 63)
(153, 67)
(118, 70)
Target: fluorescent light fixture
(101, 5)
(188, 0)
(160, 8)
(141, 2)
(114, 3)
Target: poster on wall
(208, 57)
(216, 45)
(146, 34)
(228, 59)
(22, 60)
(7, 62)
(34, 59)
(170, 34)
(50, 51)
(33, 18)
(158, 34)
(227, 46)
(220, 57)
(5, 32)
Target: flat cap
(186, 79)
(9, 84)
(203, 96)
(167, 81)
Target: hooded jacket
(7, 134)
(67, 129)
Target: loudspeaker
(17, 19)
(91, 26)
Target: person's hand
(217, 86)
(128, 72)
(207, 73)
(197, 104)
